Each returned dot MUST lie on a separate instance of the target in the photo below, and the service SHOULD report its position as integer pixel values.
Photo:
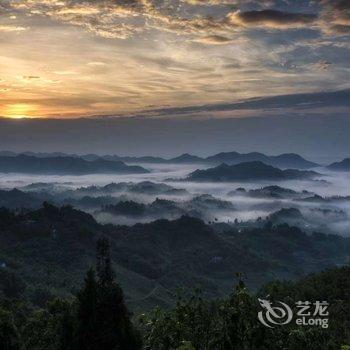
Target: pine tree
(87, 310)
(103, 318)
(116, 329)
(105, 272)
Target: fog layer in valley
(316, 202)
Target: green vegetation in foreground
(97, 318)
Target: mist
(328, 214)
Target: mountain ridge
(343, 165)
(64, 165)
(284, 160)
(247, 171)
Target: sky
(73, 58)
(321, 138)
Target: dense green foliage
(103, 319)
(45, 253)
(46, 304)
(98, 319)
(232, 323)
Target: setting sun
(20, 111)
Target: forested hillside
(97, 317)
(45, 253)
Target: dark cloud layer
(342, 5)
(295, 101)
(336, 16)
(273, 18)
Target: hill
(51, 248)
(18, 199)
(286, 160)
(186, 158)
(232, 323)
(248, 171)
(344, 165)
(290, 160)
(272, 191)
(64, 165)
(204, 207)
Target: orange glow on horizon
(20, 111)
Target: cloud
(96, 64)
(323, 65)
(342, 5)
(174, 53)
(123, 19)
(272, 19)
(214, 40)
(207, 20)
(11, 28)
(235, 3)
(30, 77)
(79, 10)
(65, 72)
(35, 79)
(304, 100)
(104, 18)
(336, 17)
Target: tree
(11, 285)
(192, 324)
(9, 339)
(51, 328)
(87, 310)
(103, 318)
(104, 269)
(240, 329)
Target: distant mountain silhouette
(142, 188)
(344, 165)
(64, 165)
(126, 159)
(186, 158)
(7, 154)
(287, 160)
(248, 171)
